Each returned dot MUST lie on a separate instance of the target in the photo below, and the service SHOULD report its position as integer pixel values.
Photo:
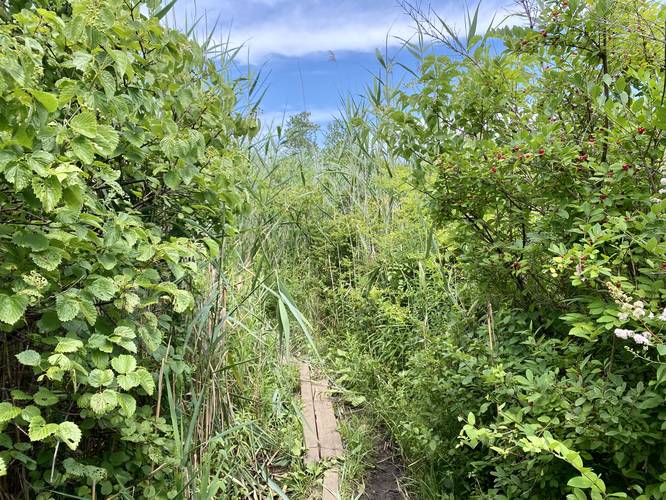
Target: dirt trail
(381, 483)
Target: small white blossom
(663, 181)
(663, 315)
(623, 333)
(641, 339)
(623, 316)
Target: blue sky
(314, 52)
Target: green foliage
(118, 162)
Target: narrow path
(320, 429)
(382, 482)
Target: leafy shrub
(118, 162)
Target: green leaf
(49, 101)
(124, 364)
(83, 149)
(70, 434)
(49, 259)
(48, 191)
(99, 378)
(127, 405)
(33, 240)
(29, 358)
(67, 345)
(8, 412)
(40, 430)
(67, 306)
(108, 261)
(12, 307)
(129, 381)
(103, 288)
(182, 301)
(3, 467)
(580, 482)
(85, 124)
(146, 381)
(103, 402)
(106, 140)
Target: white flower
(623, 316)
(623, 333)
(641, 339)
(663, 181)
(663, 315)
(651, 315)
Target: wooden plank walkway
(320, 433)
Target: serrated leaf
(84, 124)
(83, 149)
(103, 288)
(127, 405)
(70, 434)
(39, 430)
(8, 412)
(89, 311)
(49, 259)
(108, 261)
(124, 364)
(100, 378)
(45, 397)
(129, 381)
(12, 307)
(67, 345)
(182, 301)
(48, 191)
(33, 240)
(49, 101)
(106, 140)
(29, 358)
(103, 402)
(67, 306)
(146, 381)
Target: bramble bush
(119, 162)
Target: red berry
(493, 170)
(626, 167)
(542, 152)
(641, 130)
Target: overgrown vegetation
(477, 254)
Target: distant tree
(301, 133)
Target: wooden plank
(330, 442)
(331, 489)
(312, 455)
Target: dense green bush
(118, 161)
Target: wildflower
(623, 333)
(651, 315)
(623, 316)
(663, 315)
(642, 338)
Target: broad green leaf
(99, 378)
(12, 308)
(106, 140)
(129, 381)
(124, 364)
(67, 345)
(33, 240)
(146, 380)
(67, 306)
(103, 402)
(49, 101)
(85, 124)
(40, 430)
(103, 288)
(48, 259)
(182, 301)
(127, 405)
(83, 149)
(8, 412)
(48, 191)
(70, 434)
(29, 358)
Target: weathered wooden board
(330, 442)
(331, 485)
(310, 420)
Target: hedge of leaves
(118, 168)
(542, 148)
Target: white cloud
(295, 28)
